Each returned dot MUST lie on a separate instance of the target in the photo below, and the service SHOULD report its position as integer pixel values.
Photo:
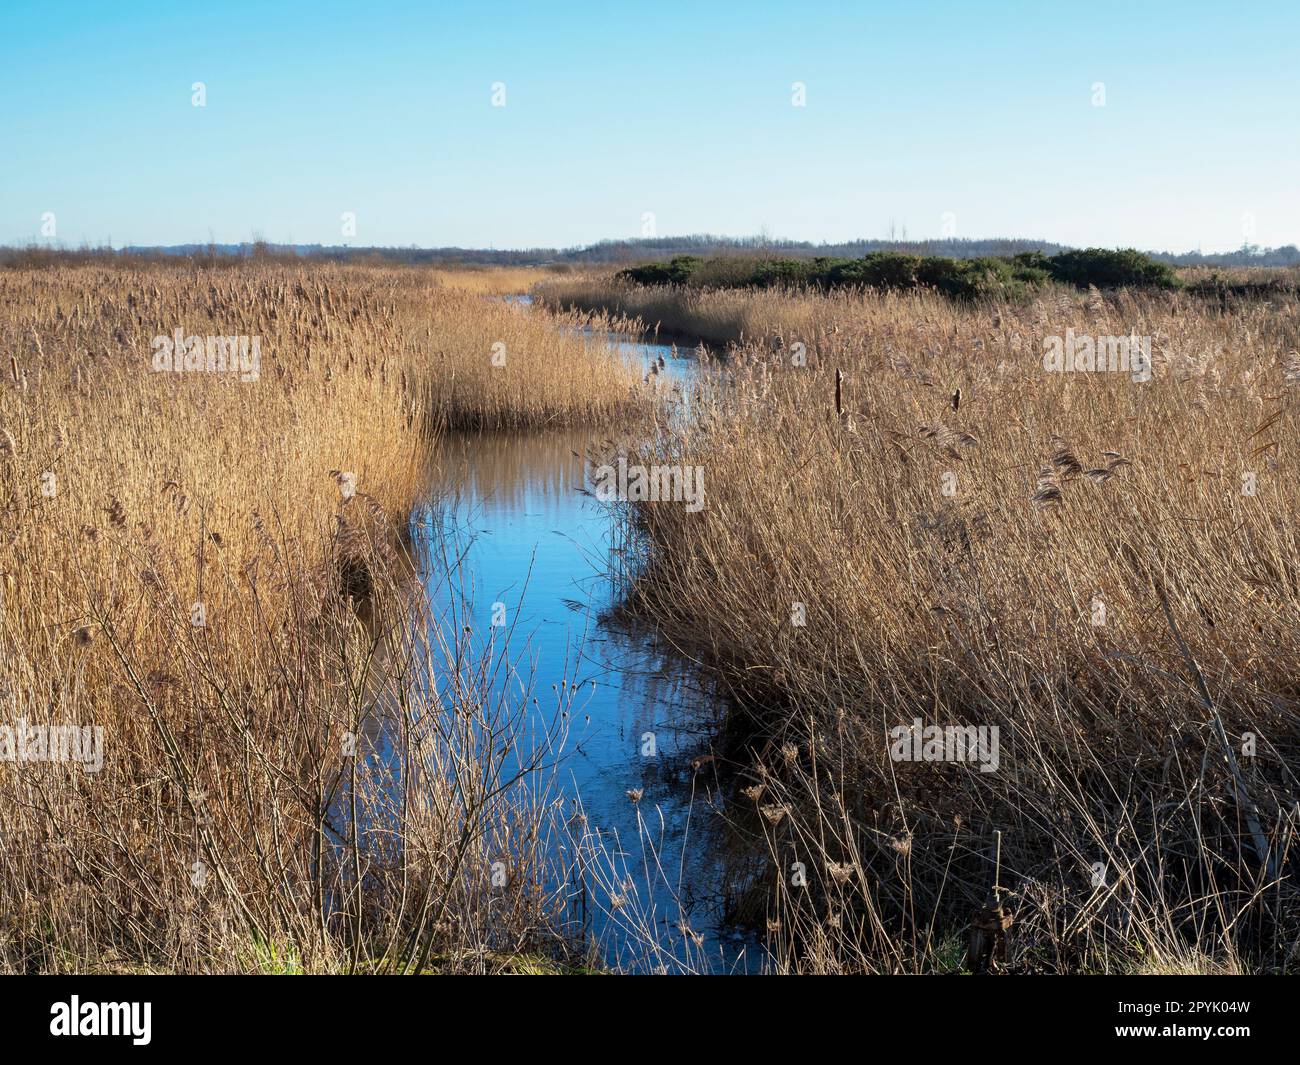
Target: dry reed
(1103, 569)
(301, 768)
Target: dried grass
(229, 828)
(1001, 563)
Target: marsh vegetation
(315, 760)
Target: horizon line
(746, 241)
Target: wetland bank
(448, 709)
(317, 760)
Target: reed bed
(720, 317)
(300, 768)
(491, 280)
(508, 368)
(916, 521)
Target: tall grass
(302, 769)
(1103, 569)
(491, 280)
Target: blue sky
(979, 116)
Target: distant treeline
(606, 252)
(1012, 275)
(616, 252)
(220, 255)
(1287, 255)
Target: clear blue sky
(980, 114)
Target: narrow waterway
(536, 553)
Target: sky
(1164, 126)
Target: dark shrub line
(958, 278)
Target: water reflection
(530, 548)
